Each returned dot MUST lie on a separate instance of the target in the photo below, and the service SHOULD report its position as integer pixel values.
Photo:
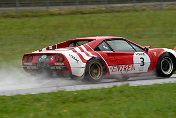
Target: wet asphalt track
(44, 85)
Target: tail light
(27, 58)
(59, 58)
(30, 58)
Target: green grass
(155, 101)
(41, 13)
(23, 35)
(26, 34)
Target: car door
(129, 60)
(106, 53)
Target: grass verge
(154, 101)
(26, 34)
(23, 35)
(69, 12)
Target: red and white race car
(95, 58)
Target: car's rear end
(45, 62)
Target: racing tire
(165, 66)
(95, 70)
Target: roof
(98, 37)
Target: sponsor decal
(140, 68)
(122, 68)
(42, 58)
(58, 64)
(73, 57)
(52, 58)
(28, 64)
(140, 53)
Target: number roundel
(141, 62)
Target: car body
(95, 58)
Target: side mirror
(146, 50)
(148, 47)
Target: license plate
(42, 65)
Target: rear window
(78, 43)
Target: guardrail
(47, 5)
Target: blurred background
(22, 6)
(29, 25)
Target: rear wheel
(95, 70)
(165, 66)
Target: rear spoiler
(174, 49)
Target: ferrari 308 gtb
(95, 58)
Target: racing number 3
(142, 61)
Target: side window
(138, 49)
(72, 44)
(120, 45)
(102, 47)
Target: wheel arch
(171, 55)
(92, 77)
(105, 68)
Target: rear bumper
(39, 67)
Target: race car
(95, 58)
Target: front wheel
(165, 66)
(95, 70)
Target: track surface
(44, 85)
